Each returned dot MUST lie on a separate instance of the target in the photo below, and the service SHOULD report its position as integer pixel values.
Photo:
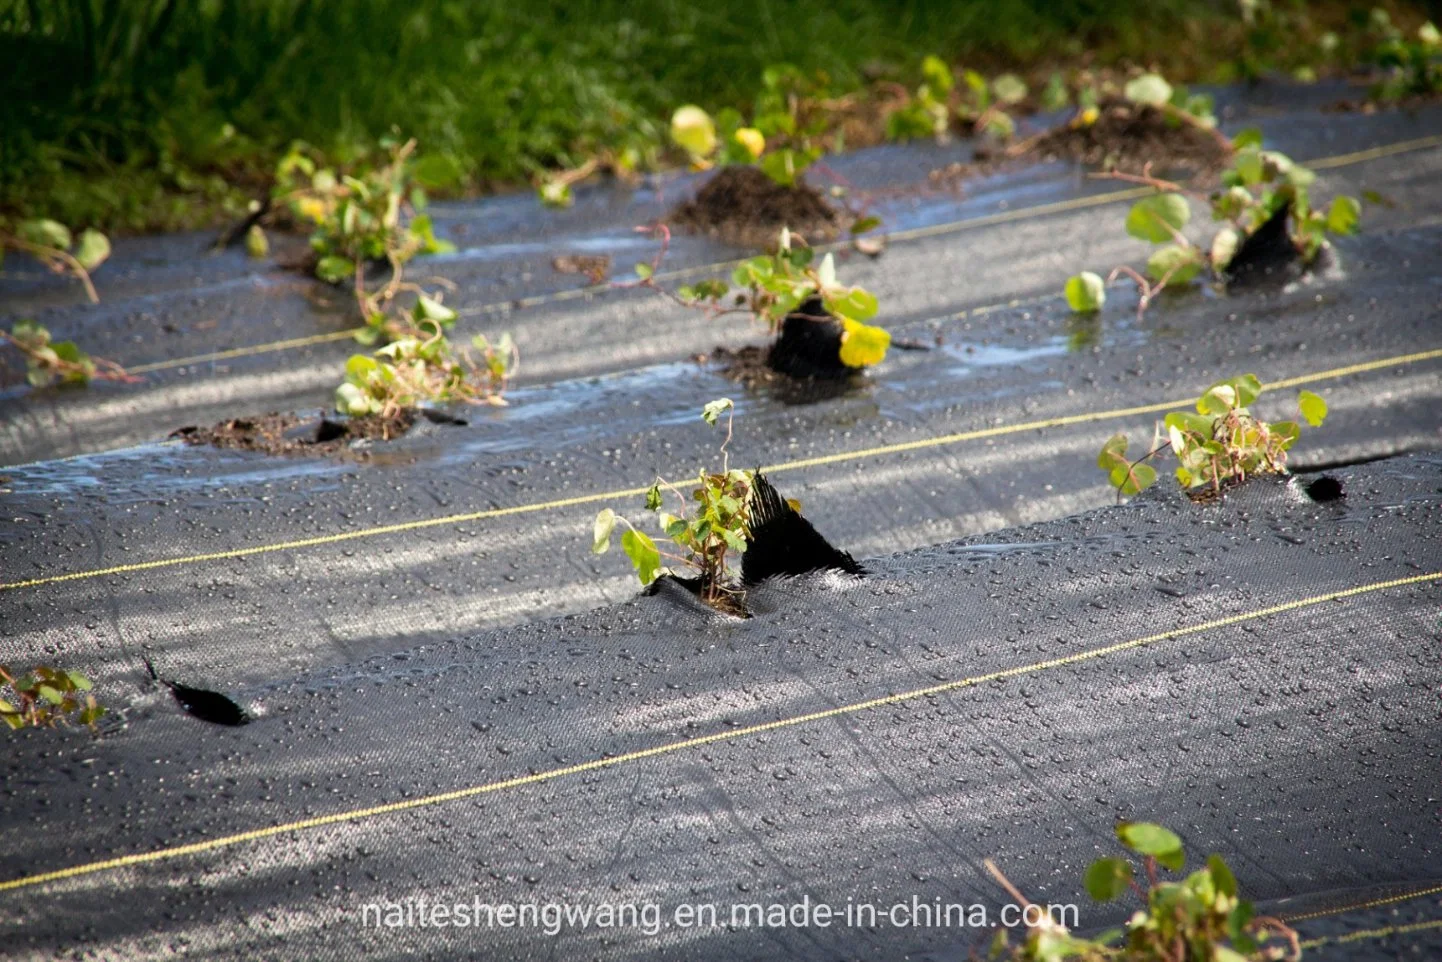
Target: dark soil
(1126, 137)
(729, 602)
(292, 434)
(741, 205)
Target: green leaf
(433, 310)
(1107, 878)
(1176, 263)
(1085, 292)
(1146, 838)
(1141, 477)
(714, 409)
(1150, 217)
(643, 554)
(436, 171)
(1224, 247)
(1222, 876)
(1343, 215)
(645, 271)
(856, 304)
(601, 531)
(1149, 88)
(694, 130)
(333, 269)
(46, 233)
(783, 166)
(653, 497)
(1313, 408)
(353, 401)
(1009, 88)
(864, 224)
(1113, 452)
(256, 243)
(50, 694)
(937, 73)
(94, 248)
(1247, 137)
(78, 681)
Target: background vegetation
(134, 114)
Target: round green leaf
(1107, 878)
(1154, 218)
(1085, 292)
(94, 248)
(1009, 88)
(643, 554)
(1149, 88)
(1343, 215)
(1146, 838)
(601, 531)
(694, 130)
(1313, 408)
(1176, 263)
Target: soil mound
(1128, 136)
(740, 204)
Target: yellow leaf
(752, 140)
(863, 344)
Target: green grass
(137, 114)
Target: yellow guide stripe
(1369, 904)
(1364, 934)
(225, 841)
(988, 220)
(873, 452)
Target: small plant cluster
(710, 524)
(1222, 444)
(1410, 67)
(772, 286)
(413, 370)
(48, 360)
(378, 216)
(795, 119)
(1259, 185)
(375, 216)
(54, 245)
(44, 697)
(979, 105)
(1201, 917)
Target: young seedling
(1262, 189)
(712, 523)
(1222, 444)
(49, 361)
(771, 287)
(52, 244)
(376, 216)
(1410, 68)
(414, 370)
(977, 105)
(44, 697)
(727, 140)
(1199, 917)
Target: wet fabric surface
(1272, 737)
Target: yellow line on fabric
(1364, 934)
(295, 342)
(1374, 153)
(1369, 904)
(987, 220)
(162, 854)
(840, 457)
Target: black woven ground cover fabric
(1260, 674)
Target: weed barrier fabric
(866, 739)
(165, 300)
(229, 622)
